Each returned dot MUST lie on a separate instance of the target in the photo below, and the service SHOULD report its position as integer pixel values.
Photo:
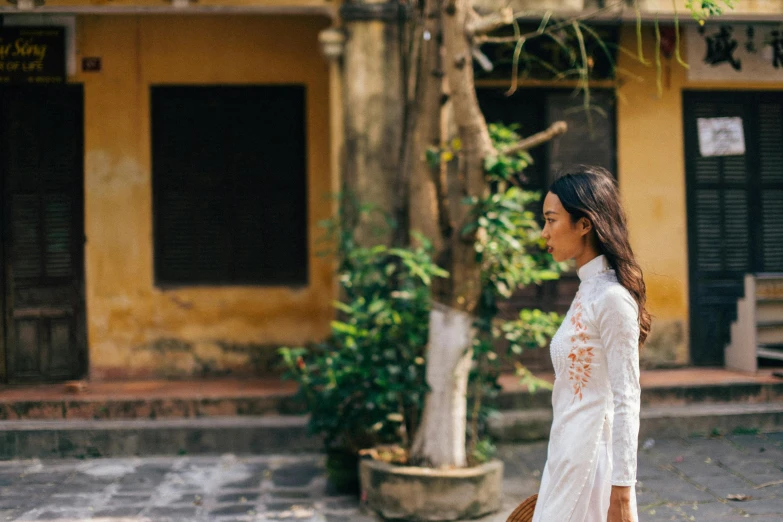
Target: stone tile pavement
(681, 480)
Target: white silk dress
(595, 401)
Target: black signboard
(32, 55)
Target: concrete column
(374, 108)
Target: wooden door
(41, 129)
(735, 212)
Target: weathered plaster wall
(134, 328)
(651, 170)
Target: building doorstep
(265, 417)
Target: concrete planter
(412, 493)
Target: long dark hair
(590, 192)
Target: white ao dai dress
(595, 401)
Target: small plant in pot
(365, 385)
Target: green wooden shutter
(770, 116)
(230, 185)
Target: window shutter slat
(230, 188)
(735, 230)
(26, 230)
(771, 142)
(708, 239)
(707, 170)
(58, 227)
(734, 169)
(772, 230)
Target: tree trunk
(441, 437)
(426, 195)
(463, 289)
(440, 440)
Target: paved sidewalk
(678, 480)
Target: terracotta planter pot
(413, 493)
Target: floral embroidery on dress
(581, 357)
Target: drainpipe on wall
(332, 42)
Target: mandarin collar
(593, 267)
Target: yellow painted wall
(286, 5)
(651, 170)
(134, 328)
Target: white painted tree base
(440, 440)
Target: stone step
(75, 407)
(285, 403)
(285, 434)
(656, 421)
(281, 434)
(740, 392)
(238, 397)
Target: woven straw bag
(524, 512)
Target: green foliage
(532, 329)
(366, 384)
(744, 430)
(504, 167)
(511, 254)
(509, 246)
(701, 9)
(528, 379)
(484, 451)
(437, 155)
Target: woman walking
(590, 473)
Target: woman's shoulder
(611, 295)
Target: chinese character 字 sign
(32, 55)
(735, 52)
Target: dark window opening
(229, 185)
(591, 130)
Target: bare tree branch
(481, 58)
(480, 37)
(556, 129)
(486, 24)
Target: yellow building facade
(699, 221)
(652, 171)
(137, 326)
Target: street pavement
(700, 479)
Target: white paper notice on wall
(721, 137)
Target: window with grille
(229, 185)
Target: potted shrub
(510, 254)
(365, 386)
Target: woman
(591, 466)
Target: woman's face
(564, 239)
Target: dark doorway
(41, 164)
(735, 211)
